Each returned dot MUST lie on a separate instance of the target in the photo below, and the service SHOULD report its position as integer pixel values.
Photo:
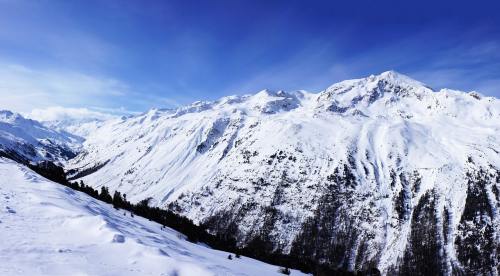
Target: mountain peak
(349, 94)
(388, 77)
(392, 74)
(12, 117)
(394, 77)
(7, 114)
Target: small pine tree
(104, 195)
(117, 200)
(126, 204)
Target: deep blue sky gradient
(167, 53)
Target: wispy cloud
(468, 64)
(54, 113)
(23, 88)
(308, 69)
(114, 111)
(48, 94)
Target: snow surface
(49, 229)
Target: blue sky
(121, 56)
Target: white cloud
(54, 113)
(114, 111)
(23, 89)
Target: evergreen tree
(104, 195)
(118, 200)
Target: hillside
(53, 230)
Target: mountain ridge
(391, 78)
(358, 175)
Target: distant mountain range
(26, 140)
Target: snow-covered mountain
(375, 172)
(26, 140)
(78, 127)
(77, 121)
(49, 229)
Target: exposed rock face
(477, 240)
(378, 172)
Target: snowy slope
(49, 229)
(29, 140)
(367, 157)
